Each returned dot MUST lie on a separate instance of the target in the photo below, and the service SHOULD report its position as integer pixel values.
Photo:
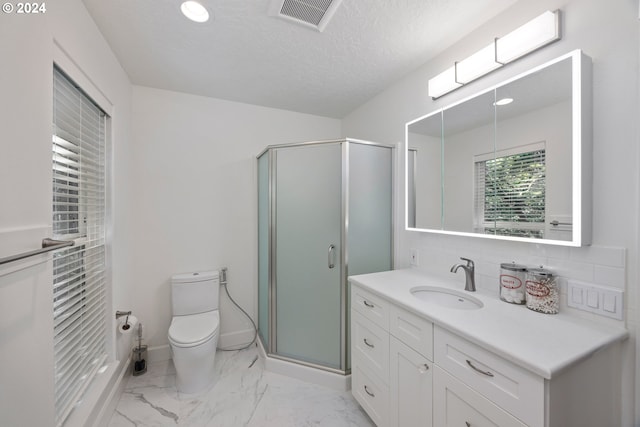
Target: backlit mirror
(512, 162)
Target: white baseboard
(158, 353)
(305, 373)
(236, 339)
(228, 340)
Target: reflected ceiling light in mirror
(503, 101)
(533, 35)
(194, 11)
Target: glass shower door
(308, 212)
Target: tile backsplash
(594, 264)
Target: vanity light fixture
(477, 65)
(194, 11)
(533, 35)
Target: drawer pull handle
(367, 303)
(487, 373)
(423, 368)
(368, 392)
(368, 344)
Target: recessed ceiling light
(503, 101)
(194, 11)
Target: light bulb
(194, 11)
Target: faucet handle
(469, 262)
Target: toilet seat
(194, 329)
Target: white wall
(608, 33)
(196, 204)
(27, 51)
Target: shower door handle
(332, 256)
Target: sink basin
(446, 298)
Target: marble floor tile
(243, 394)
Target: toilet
(193, 334)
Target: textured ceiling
(244, 55)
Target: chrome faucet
(469, 271)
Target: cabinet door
(411, 378)
(457, 405)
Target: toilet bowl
(194, 330)
(193, 340)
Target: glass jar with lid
(512, 283)
(542, 291)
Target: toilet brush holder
(140, 360)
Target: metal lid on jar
(512, 266)
(541, 272)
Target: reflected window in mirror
(509, 195)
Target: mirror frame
(581, 149)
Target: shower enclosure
(324, 213)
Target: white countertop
(545, 344)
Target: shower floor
(244, 394)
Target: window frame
(70, 70)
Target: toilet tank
(193, 293)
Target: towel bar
(47, 246)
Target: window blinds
(78, 213)
(510, 193)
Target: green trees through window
(512, 188)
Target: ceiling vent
(310, 13)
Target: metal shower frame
(271, 346)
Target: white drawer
(371, 306)
(456, 405)
(370, 393)
(515, 389)
(370, 344)
(412, 330)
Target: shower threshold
(294, 369)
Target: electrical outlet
(413, 260)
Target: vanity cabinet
(406, 371)
(391, 362)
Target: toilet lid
(194, 329)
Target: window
(79, 316)
(510, 192)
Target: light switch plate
(601, 300)
(576, 295)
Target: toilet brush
(140, 364)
